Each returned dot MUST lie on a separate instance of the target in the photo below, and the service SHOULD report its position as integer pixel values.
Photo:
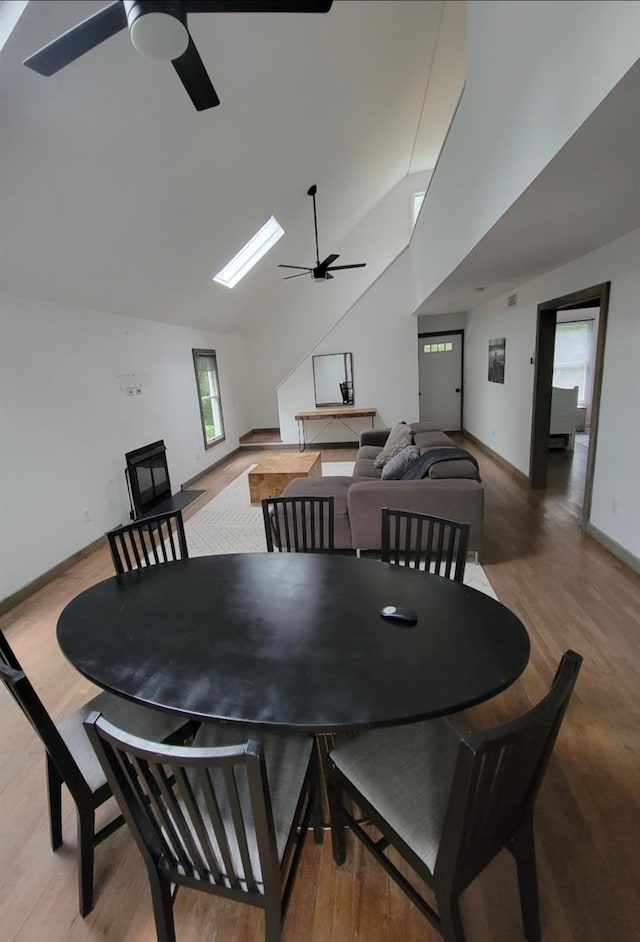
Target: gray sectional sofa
(452, 490)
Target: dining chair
(150, 540)
(223, 815)
(299, 524)
(70, 759)
(447, 804)
(422, 541)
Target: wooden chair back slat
(185, 791)
(299, 524)
(149, 777)
(422, 541)
(239, 826)
(149, 541)
(228, 872)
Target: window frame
(197, 353)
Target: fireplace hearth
(148, 482)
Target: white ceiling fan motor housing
(157, 30)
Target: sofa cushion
(368, 451)
(396, 466)
(365, 467)
(334, 486)
(424, 427)
(455, 499)
(454, 469)
(431, 439)
(423, 468)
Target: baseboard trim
(615, 548)
(259, 431)
(499, 460)
(268, 446)
(292, 446)
(32, 587)
(16, 597)
(211, 467)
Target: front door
(440, 378)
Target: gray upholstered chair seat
(286, 758)
(447, 802)
(405, 772)
(137, 720)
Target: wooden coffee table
(270, 477)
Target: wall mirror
(333, 379)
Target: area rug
(230, 523)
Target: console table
(339, 413)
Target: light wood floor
(568, 591)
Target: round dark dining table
(293, 640)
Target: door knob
(457, 389)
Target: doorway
(548, 316)
(440, 371)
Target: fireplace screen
(148, 477)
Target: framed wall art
(496, 359)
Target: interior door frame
(447, 333)
(543, 379)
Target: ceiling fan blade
(342, 267)
(329, 260)
(194, 77)
(304, 267)
(254, 6)
(299, 275)
(78, 40)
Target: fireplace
(148, 477)
(149, 485)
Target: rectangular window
(437, 347)
(572, 355)
(209, 396)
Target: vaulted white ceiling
(116, 195)
(588, 195)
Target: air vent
(512, 300)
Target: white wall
(500, 415)
(527, 92)
(65, 424)
(381, 335)
(286, 335)
(431, 323)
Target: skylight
(10, 13)
(416, 205)
(251, 253)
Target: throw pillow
(400, 434)
(396, 466)
(389, 451)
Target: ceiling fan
(158, 30)
(321, 271)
